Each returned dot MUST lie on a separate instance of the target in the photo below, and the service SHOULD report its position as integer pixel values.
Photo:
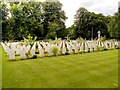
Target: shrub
(34, 56)
(103, 38)
(21, 43)
(101, 48)
(117, 47)
(67, 53)
(49, 40)
(57, 40)
(29, 40)
(55, 50)
(79, 40)
(68, 39)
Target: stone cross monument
(99, 35)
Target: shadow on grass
(67, 54)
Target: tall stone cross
(99, 35)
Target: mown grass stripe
(87, 70)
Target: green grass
(87, 70)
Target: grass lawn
(88, 70)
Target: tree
(27, 19)
(114, 25)
(52, 30)
(5, 19)
(118, 22)
(53, 19)
(87, 24)
(71, 32)
(44, 20)
(80, 21)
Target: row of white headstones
(13, 49)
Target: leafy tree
(80, 21)
(119, 22)
(114, 25)
(71, 32)
(87, 24)
(53, 19)
(27, 19)
(52, 30)
(44, 20)
(5, 19)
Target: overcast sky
(106, 7)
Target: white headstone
(82, 47)
(41, 52)
(11, 54)
(22, 52)
(32, 52)
(63, 48)
(86, 47)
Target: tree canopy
(46, 20)
(41, 19)
(53, 20)
(87, 24)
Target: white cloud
(107, 7)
